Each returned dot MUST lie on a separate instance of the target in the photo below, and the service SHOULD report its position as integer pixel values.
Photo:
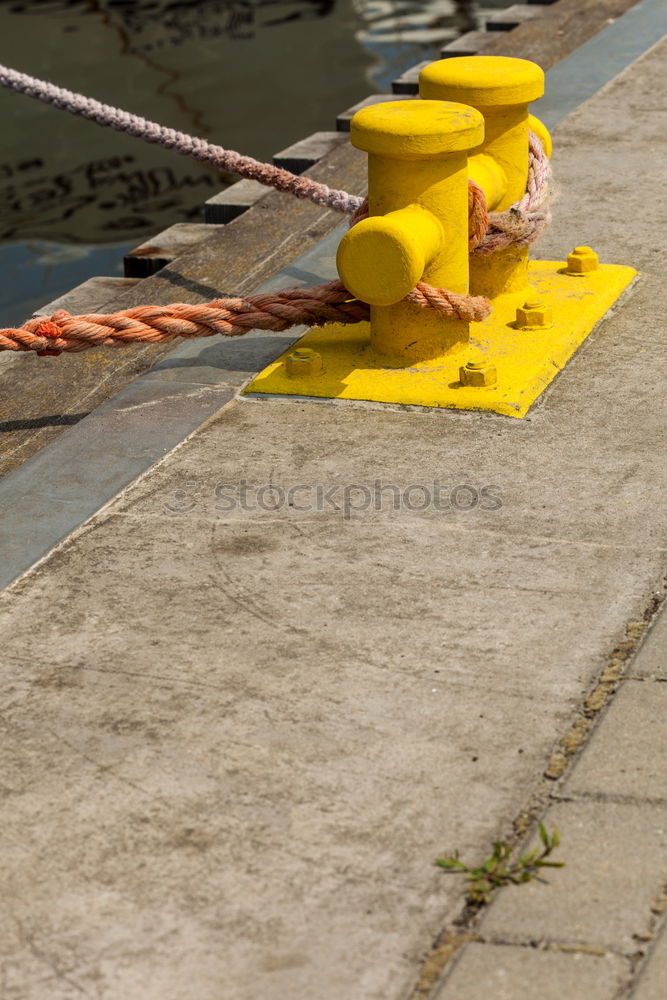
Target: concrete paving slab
(614, 855)
(501, 972)
(626, 756)
(651, 982)
(652, 661)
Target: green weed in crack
(498, 870)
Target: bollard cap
(485, 81)
(416, 130)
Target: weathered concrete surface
(492, 972)
(626, 757)
(651, 985)
(611, 897)
(236, 740)
(653, 661)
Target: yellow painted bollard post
(500, 88)
(418, 224)
(418, 175)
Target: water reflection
(183, 20)
(253, 75)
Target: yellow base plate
(526, 360)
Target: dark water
(251, 75)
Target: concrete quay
(237, 733)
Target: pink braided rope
(525, 221)
(180, 142)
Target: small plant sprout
(498, 870)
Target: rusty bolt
(582, 260)
(478, 373)
(533, 314)
(303, 361)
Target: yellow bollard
(418, 230)
(418, 224)
(501, 89)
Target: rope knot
(50, 330)
(47, 329)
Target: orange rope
(478, 216)
(231, 317)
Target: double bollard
(472, 123)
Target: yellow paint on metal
(582, 260)
(542, 133)
(478, 373)
(416, 131)
(489, 81)
(534, 315)
(501, 88)
(382, 258)
(418, 207)
(302, 361)
(490, 176)
(525, 360)
(417, 230)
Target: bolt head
(478, 374)
(303, 361)
(582, 260)
(533, 314)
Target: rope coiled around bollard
(525, 221)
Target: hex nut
(303, 361)
(582, 260)
(533, 314)
(479, 374)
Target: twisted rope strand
(231, 317)
(525, 221)
(169, 138)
